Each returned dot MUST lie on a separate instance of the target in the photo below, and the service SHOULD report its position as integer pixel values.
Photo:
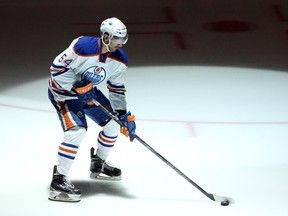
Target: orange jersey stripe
(105, 140)
(67, 121)
(67, 150)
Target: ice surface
(228, 133)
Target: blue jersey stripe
(69, 145)
(103, 144)
(66, 156)
(110, 137)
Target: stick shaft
(210, 196)
(174, 167)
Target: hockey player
(75, 75)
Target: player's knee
(74, 135)
(112, 128)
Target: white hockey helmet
(114, 28)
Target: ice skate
(101, 170)
(61, 189)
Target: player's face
(117, 42)
(114, 43)
(114, 46)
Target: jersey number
(63, 59)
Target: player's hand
(129, 125)
(85, 91)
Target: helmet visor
(120, 40)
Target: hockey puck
(225, 203)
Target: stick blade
(223, 198)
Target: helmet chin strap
(106, 45)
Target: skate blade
(63, 197)
(103, 177)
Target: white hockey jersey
(84, 54)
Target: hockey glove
(85, 91)
(129, 128)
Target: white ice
(225, 128)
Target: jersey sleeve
(62, 75)
(116, 87)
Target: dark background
(243, 33)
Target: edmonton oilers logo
(99, 74)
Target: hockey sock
(68, 149)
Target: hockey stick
(209, 195)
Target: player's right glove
(129, 128)
(85, 91)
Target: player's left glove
(129, 128)
(85, 91)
